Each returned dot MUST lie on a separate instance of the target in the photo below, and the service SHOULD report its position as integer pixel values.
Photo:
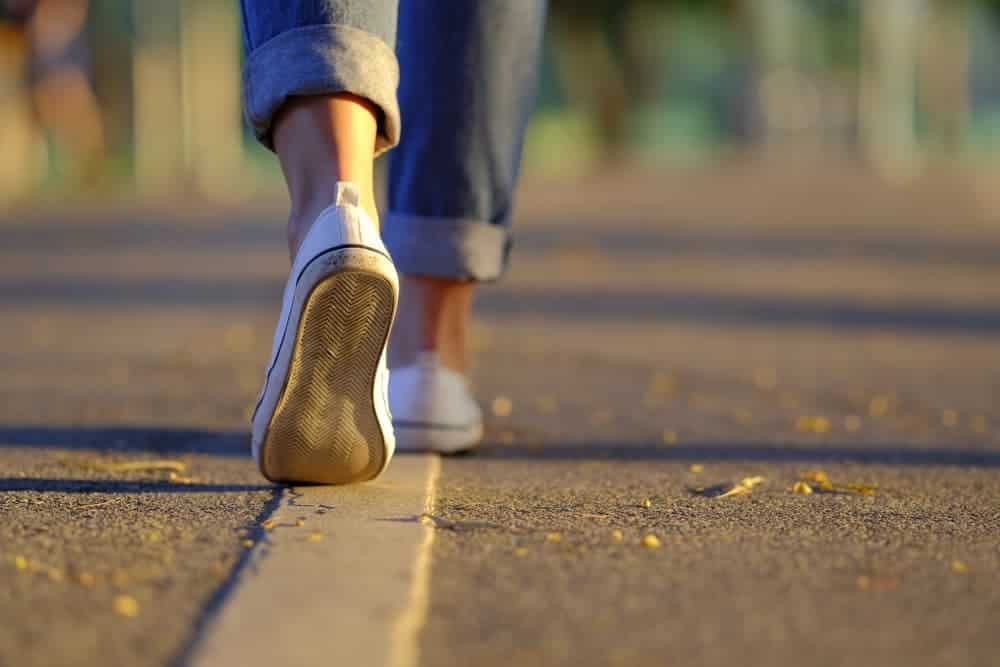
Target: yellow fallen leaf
(979, 424)
(878, 406)
(647, 503)
(20, 562)
(299, 523)
(661, 385)
(807, 424)
(617, 535)
(650, 541)
(182, 479)
(314, 536)
(817, 477)
(803, 488)
(502, 406)
(267, 524)
(553, 537)
(743, 487)
(958, 567)
(727, 489)
(126, 605)
(247, 544)
(520, 552)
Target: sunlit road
(656, 336)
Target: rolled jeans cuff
(454, 248)
(322, 60)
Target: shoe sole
(442, 440)
(325, 427)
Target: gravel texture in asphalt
(725, 325)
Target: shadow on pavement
(720, 308)
(119, 486)
(776, 453)
(683, 239)
(634, 305)
(236, 444)
(128, 439)
(660, 238)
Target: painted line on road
(406, 636)
(348, 585)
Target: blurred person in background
(48, 74)
(18, 135)
(321, 91)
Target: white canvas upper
(432, 408)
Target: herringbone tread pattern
(324, 428)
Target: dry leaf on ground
(651, 541)
(728, 489)
(819, 482)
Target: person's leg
(467, 89)
(322, 140)
(320, 90)
(321, 81)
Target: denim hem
(321, 60)
(455, 248)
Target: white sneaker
(323, 415)
(433, 409)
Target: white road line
(406, 635)
(349, 586)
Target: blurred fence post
(157, 98)
(781, 88)
(210, 85)
(944, 73)
(888, 86)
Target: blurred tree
(886, 109)
(944, 72)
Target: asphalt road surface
(660, 338)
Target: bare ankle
(322, 140)
(433, 316)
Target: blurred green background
(113, 98)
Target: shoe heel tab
(347, 194)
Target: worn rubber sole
(326, 426)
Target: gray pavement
(720, 325)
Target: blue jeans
(466, 73)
